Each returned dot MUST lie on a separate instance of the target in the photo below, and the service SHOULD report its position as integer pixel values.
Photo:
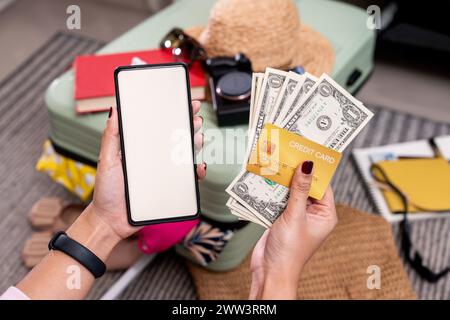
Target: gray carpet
(24, 126)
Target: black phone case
(122, 146)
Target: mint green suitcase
(343, 24)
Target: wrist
(93, 233)
(279, 287)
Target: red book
(94, 77)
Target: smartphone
(157, 143)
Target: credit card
(278, 152)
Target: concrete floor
(26, 24)
(420, 89)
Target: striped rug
(24, 126)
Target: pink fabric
(160, 237)
(14, 294)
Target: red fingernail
(206, 165)
(307, 167)
(110, 112)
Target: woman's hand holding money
(284, 249)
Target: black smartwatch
(62, 242)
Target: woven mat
(24, 126)
(338, 270)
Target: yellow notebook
(425, 182)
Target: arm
(99, 228)
(53, 276)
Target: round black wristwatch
(62, 242)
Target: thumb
(300, 185)
(110, 148)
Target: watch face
(235, 86)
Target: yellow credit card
(278, 152)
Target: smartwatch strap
(62, 242)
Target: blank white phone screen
(156, 133)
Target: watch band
(62, 242)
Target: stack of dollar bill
(315, 108)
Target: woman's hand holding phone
(100, 227)
(109, 199)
